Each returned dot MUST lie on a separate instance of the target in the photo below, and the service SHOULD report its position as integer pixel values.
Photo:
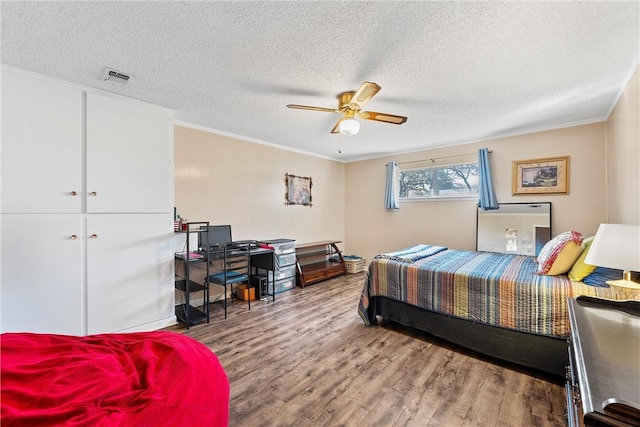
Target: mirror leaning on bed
(514, 228)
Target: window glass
(439, 182)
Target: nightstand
(604, 363)
(625, 288)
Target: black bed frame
(545, 353)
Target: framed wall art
(297, 190)
(541, 176)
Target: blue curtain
(486, 194)
(391, 194)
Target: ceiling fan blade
(336, 128)
(364, 94)
(383, 117)
(306, 107)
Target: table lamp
(617, 246)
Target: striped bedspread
(496, 289)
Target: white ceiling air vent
(115, 76)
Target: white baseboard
(152, 326)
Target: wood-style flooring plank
(307, 359)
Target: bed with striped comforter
(494, 289)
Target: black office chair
(234, 270)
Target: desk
(259, 258)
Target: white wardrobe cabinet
(87, 223)
(128, 157)
(42, 283)
(129, 284)
(41, 146)
(128, 151)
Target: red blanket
(136, 379)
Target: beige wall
(228, 181)
(370, 229)
(623, 156)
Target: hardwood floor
(307, 359)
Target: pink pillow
(560, 253)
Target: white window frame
(471, 196)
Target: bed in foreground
(146, 378)
(492, 303)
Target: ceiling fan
(350, 105)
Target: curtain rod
(439, 158)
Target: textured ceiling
(460, 71)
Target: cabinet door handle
(73, 236)
(93, 236)
(73, 193)
(93, 193)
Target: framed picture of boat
(541, 176)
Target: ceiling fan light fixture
(350, 105)
(349, 127)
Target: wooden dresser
(603, 376)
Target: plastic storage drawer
(285, 285)
(282, 246)
(283, 273)
(285, 260)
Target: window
(459, 180)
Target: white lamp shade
(616, 246)
(349, 127)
